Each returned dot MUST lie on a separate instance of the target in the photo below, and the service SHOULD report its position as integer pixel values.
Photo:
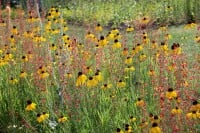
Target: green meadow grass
(94, 110)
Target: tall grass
(41, 65)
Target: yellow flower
(151, 73)
(155, 119)
(138, 48)
(195, 106)
(140, 102)
(114, 31)
(176, 111)
(53, 47)
(132, 119)
(197, 39)
(24, 58)
(2, 23)
(164, 47)
(98, 76)
(133, 51)
(42, 117)
(142, 57)
(128, 128)
(154, 45)
(163, 28)
(68, 75)
(119, 130)
(102, 42)
(43, 74)
(128, 60)
(116, 44)
(168, 36)
(145, 20)
(106, 86)
(62, 119)
(170, 94)
(23, 74)
(30, 106)
(193, 115)
(81, 79)
(92, 82)
(98, 28)
(129, 29)
(129, 69)
(190, 25)
(155, 128)
(14, 30)
(110, 36)
(13, 80)
(121, 84)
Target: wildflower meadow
(57, 76)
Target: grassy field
(57, 77)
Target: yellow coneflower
(154, 45)
(145, 20)
(98, 28)
(23, 74)
(128, 128)
(53, 47)
(132, 119)
(125, 52)
(13, 80)
(128, 60)
(14, 30)
(110, 36)
(164, 47)
(129, 29)
(151, 72)
(129, 69)
(68, 75)
(30, 106)
(62, 119)
(81, 79)
(106, 86)
(119, 130)
(114, 31)
(92, 82)
(170, 94)
(117, 36)
(193, 115)
(24, 58)
(103, 41)
(138, 48)
(168, 36)
(197, 39)
(2, 23)
(43, 74)
(116, 44)
(156, 119)
(12, 39)
(155, 128)
(142, 57)
(133, 51)
(176, 111)
(140, 102)
(190, 25)
(121, 84)
(42, 117)
(98, 76)
(195, 106)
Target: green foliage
(123, 11)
